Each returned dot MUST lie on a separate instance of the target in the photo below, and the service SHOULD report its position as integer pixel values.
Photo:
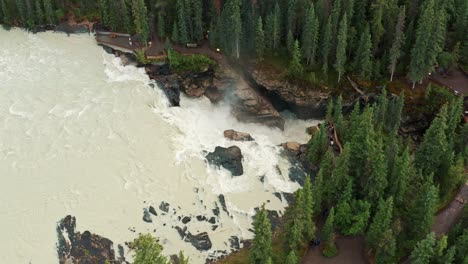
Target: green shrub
(189, 63)
(60, 14)
(330, 251)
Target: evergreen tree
(276, 32)
(261, 249)
(49, 13)
(21, 7)
(399, 178)
(309, 226)
(125, 19)
(424, 250)
(429, 155)
(310, 35)
(294, 226)
(325, 46)
(141, 20)
(323, 183)
(260, 40)
(112, 15)
(422, 212)
(421, 62)
(376, 184)
(363, 60)
(290, 42)
(233, 25)
(376, 23)
(291, 16)
(292, 258)
(183, 37)
(338, 115)
(161, 26)
(452, 180)
(385, 253)
(318, 145)
(341, 177)
(5, 18)
(102, 10)
(182, 258)
(175, 33)
(328, 235)
(341, 48)
(295, 68)
(380, 223)
(148, 250)
(395, 51)
(198, 19)
(39, 13)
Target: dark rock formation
(234, 243)
(237, 136)
(164, 207)
(222, 201)
(153, 211)
(86, 248)
(147, 216)
(186, 219)
(200, 241)
(229, 158)
(214, 94)
(195, 84)
(297, 155)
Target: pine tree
(5, 18)
(198, 19)
(148, 250)
(261, 249)
(102, 10)
(341, 48)
(181, 23)
(21, 7)
(260, 40)
(380, 223)
(182, 258)
(375, 186)
(292, 258)
(49, 13)
(318, 145)
(363, 60)
(429, 155)
(338, 115)
(161, 26)
(422, 212)
(39, 13)
(328, 234)
(399, 178)
(309, 226)
(290, 42)
(325, 45)
(341, 177)
(125, 19)
(175, 33)
(322, 194)
(421, 63)
(233, 26)
(141, 19)
(276, 32)
(310, 35)
(112, 15)
(291, 16)
(424, 250)
(295, 68)
(376, 23)
(294, 224)
(395, 51)
(385, 253)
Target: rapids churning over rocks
(81, 134)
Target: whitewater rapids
(81, 134)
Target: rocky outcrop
(196, 84)
(229, 158)
(251, 107)
(200, 241)
(237, 136)
(76, 247)
(297, 155)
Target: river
(81, 134)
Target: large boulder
(76, 247)
(229, 158)
(200, 241)
(170, 87)
(237, 136)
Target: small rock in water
(186, 219)
(201, 218)
(222, 200)
(212, 220)
(237, 136)
(214, 227)
(200, 241)
(164, 207)
(147, 216)
(152, 210)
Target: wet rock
(186, 219)
(229, 158)
(76, 247)
(153, 211)
(247, 243)
(289, 197)
(201, 218)
(312, 130)
(214, 94)
(237, 136)
(214, 227)
(212, 220)
(200, 241)
(147, 216)
(164, 207)
(216, 210)
(292, 146)
(278, 195)
(195, 84)
(234, 243)
(252, 107)
(170, 87)
(222, 201)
